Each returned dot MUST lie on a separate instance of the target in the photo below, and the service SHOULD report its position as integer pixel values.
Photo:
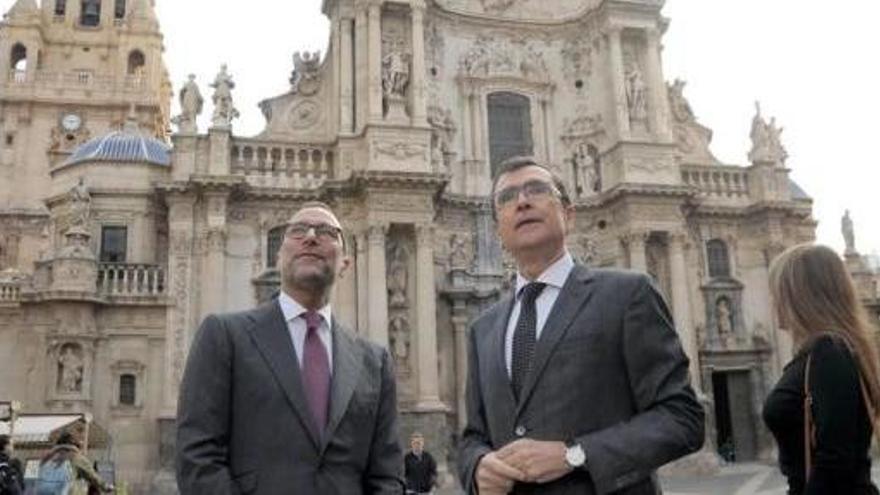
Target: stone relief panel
(549, 10)
(497, 56)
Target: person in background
(823, 408)
(420, 467)
(60, 468)
(11, 473)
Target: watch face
(71, 122)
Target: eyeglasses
(322, 231)
(534, 189)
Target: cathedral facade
(117, 236)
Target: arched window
(127, 389)
(19, 57)
(273, 244)
(136, 63)
(510, 127)
(90, 13)
(719, 260)
(60, 7)
(119, 11)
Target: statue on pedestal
(395, 73)
(80, 204)
(191, 104)
(224, 110)
(849, 236)
(766, 140)
(70, 370)
(636, 94)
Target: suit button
(520, 431)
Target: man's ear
(343, 266)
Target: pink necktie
(316, 370)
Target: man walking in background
(419, 467)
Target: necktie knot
(531, 291)
(313, 321)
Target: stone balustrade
(10, 292)
(717, 181)
(123, 279)
(19, 79)
(300, 166)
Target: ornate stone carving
(191, 104)
(587, 169)
(71, 369)
(306, 76)
(724, 318)
(491, 57)
(636, 94)
(398, 275)
(766, 140)
(400, 151)
(577, 56)
(459, 254)
(584, 125)
(442, 133)
(395, 73)
(224, 110)
(304, 114)
(586, 250)
(681, 108)
(399, 340)
(79, 206)
(497, 6)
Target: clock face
(71, 122)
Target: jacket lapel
(574, 294)
(271, 336)
(346, 372)
(500, 377)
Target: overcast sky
(813, 65)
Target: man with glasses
(282, 398)
(577, 382)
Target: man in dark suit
(283, 399)
(577, 382)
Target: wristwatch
(574, 455)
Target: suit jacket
(244, 425)
(608, 372)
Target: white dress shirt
(296, 325)
(554, 276)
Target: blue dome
(122, 146)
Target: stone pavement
(733, 479)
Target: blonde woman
(820, 410)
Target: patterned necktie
(525, 336)
(316, 370)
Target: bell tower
(69, 71)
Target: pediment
(525, 10)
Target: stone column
(637, 258)
(426, 319)
(417, 78)
(219, 142)
(467, 125)
(659, 102)
(618, 85)
(374, 41)
(215, 260)
(459, 326)
(346, 75)
(363, 278)
(681, 307)
(361, 69)
(179, 281)
(378, 285)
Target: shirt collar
(292, 309)
(555, 275)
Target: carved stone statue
(70, 370)
(395, 73)
(849, 235)
(306, 77)
(191, 104)
(458, 258)
(397, 276)
(681, 108)
(398, 339)
(442, 132)
(80, 204)
(636, 94)
(587, 170)
(224, 110)
(766, 140)
(724, 317)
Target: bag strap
(809, 429)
